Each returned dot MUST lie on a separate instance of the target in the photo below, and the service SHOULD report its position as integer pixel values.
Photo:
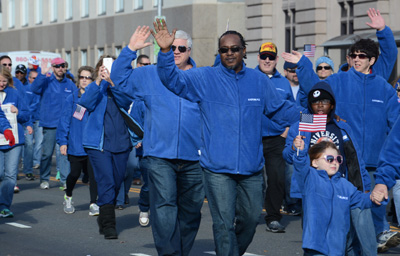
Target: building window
(25, 13)
(11, 13)
(118, 50)
(53, 10)
(290, 29)
(84, 8)
(119, 5)
(38, 10)
(68, 9)
(101, 7)
(68, 58)
(100, 52)
(83, 57)
(346, 17)
(138, 4)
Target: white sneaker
(44, 185)
(144, 219)
(68, 207)
(94, 210)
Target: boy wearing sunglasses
(321, 100)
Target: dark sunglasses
(19, 72)
(233, 49)
(5, 64)
(145, 64)
(265, 56)
(86, 77)
(181, 48)
(59, 66)
(330, 159)
(291, 70)
(360, 56)
(324, 67)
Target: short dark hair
(367, 46)
(84, 68)
(5, 57)
(316, 150)
(142, 56)
(233, 32)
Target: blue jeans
(38, 140)
(28, 152)
(291, 203)
(132, 165)
(361, 239)
(396, 198)
(235, 203)
(8, 175)
(176, 198)
(144, 200)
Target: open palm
(139, 37)
(162, 36)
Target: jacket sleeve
(91, 97)
(388, 170)
(39, 84)
(23, 116)
(301, 164)
(388, 53)
(65, 121)
(288, 151)
(4, 123)
(307, 77)
(359, 199)
(392, 106)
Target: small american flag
(312, 123)
(79, 112)
(309, 50)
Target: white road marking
(15, 224)
(246, 254)
(139, 254)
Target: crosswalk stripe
(15, 224)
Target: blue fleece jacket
(53, 94)
(171, 124)
(388, 170)
(231, 105)
(14, 97)
(4, 124)
(326, 206)
(387, 57)
(366, 101)
(70, 129)
(95, 101)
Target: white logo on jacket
(378, 101)
(343, 197)
(253, 99)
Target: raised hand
(45, 67)
(293, 57)
(139, 37)
(377, 21)
(298, 142)
(162, 36)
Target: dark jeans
(176, 198)
(275, 169)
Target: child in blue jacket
(327, 198)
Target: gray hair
(180, 34)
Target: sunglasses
(59, 66)
(233, 49)
(323, 102)
(19, 72)
(145, 64)
(291, 70)
(324, 67)
(265, 56)
(5, 64)
(181, 48)
(360, 56)
(86, 77)
(330, 159)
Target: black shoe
(29, 176)
(275, 227)
(126, 199)
(108, 222)
(119, 207)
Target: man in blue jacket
(171, 145)
(232, 100)
(53, 91)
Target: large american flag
(309, 50)
(312, 123)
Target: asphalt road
(40, 227)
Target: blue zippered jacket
(4, 124)
(356, 172)
(171, 123)
(388, 170)
(14, 97)
(70, 129)
(95, 101)
(326, 206)
(53, 94)
(366, 101)
(387, 57)
(231, 105)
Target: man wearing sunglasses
(324, 67)
(53, 91)
(142, 61)
(370, 106)
(171, 144)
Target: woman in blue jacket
(69, 137)
(9, 154)
(106, 140)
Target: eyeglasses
(330, 159)
(323, 102)
(181, 48)
(7, 64)
(145, 64)
(86, 77)
(324, 67)
(360, 56)
(59, 66)
(233, 49)
(19, 72)
(265, 56)
(291, 70)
